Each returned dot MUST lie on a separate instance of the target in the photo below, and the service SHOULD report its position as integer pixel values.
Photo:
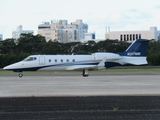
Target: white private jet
(134, 55)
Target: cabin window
(61, 60)
(67, 60)
(73, 60)
(49, 60)
(55, 60)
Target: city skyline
(118, 15)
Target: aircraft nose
(6, 68)
(10, 67)
(14, 66)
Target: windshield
(30, 59)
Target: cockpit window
(30, 59)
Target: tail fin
(138, 48)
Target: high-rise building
(63, 32)
(130, 36)
(16, 34)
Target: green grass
(134, 70)
(107, 71)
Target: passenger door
(42, 60)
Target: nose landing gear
(20, 75)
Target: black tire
(20, 75)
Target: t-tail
(137, 49)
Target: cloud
(157, 7)
(130, 19)
(133, 10)
(116, 14)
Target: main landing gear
(85, 73)
(20, 75)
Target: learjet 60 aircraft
(134, 55)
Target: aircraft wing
(112, 59)
(81, 67)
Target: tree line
(12, 50)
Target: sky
(119, 15)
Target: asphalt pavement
(73, 97)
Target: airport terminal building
(130, 36)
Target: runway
(76, 85)
(73, 97)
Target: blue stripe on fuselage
(65, 64)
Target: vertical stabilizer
(138, 48)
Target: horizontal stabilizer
(136, 61)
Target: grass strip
(121, 70)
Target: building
(63, 32)
(1, 37)
(90, 36)
(130, 36)
(16, 34)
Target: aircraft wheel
(85, 75)
(20, 75)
